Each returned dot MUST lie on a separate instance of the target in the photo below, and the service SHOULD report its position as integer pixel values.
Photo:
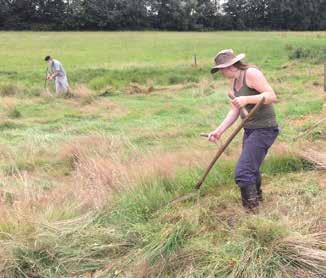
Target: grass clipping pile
(313, 145)
(316, 155)
(304, 255)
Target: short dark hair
(47, 58)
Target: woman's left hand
(240, 101)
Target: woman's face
(229, 72)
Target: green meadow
(86, 178)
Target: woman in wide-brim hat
(248, 86)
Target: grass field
(85, 178)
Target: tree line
(180, 15)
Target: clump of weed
(8, 124)
(166, 241)
(83, 93)
(11, 90)
(175, 79)
(9, 198)
(108, 91)
(14, 113)
(285, 164)
(80, 91)
(263, 231)
(135, 88)
(315, 54)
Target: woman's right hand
(214, 136)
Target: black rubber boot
(258, 187)
(249, 198)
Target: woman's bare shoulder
(254, 72)
(254, 75)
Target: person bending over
(58, 74)
(248, 85)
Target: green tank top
(264, 117)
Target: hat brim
(228, 64)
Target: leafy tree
(162, 14)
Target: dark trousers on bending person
(256, 143)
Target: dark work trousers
(256, 143)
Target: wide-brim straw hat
(226, 58)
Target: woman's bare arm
(255, 79)
(230, 118)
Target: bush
(315, 54)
